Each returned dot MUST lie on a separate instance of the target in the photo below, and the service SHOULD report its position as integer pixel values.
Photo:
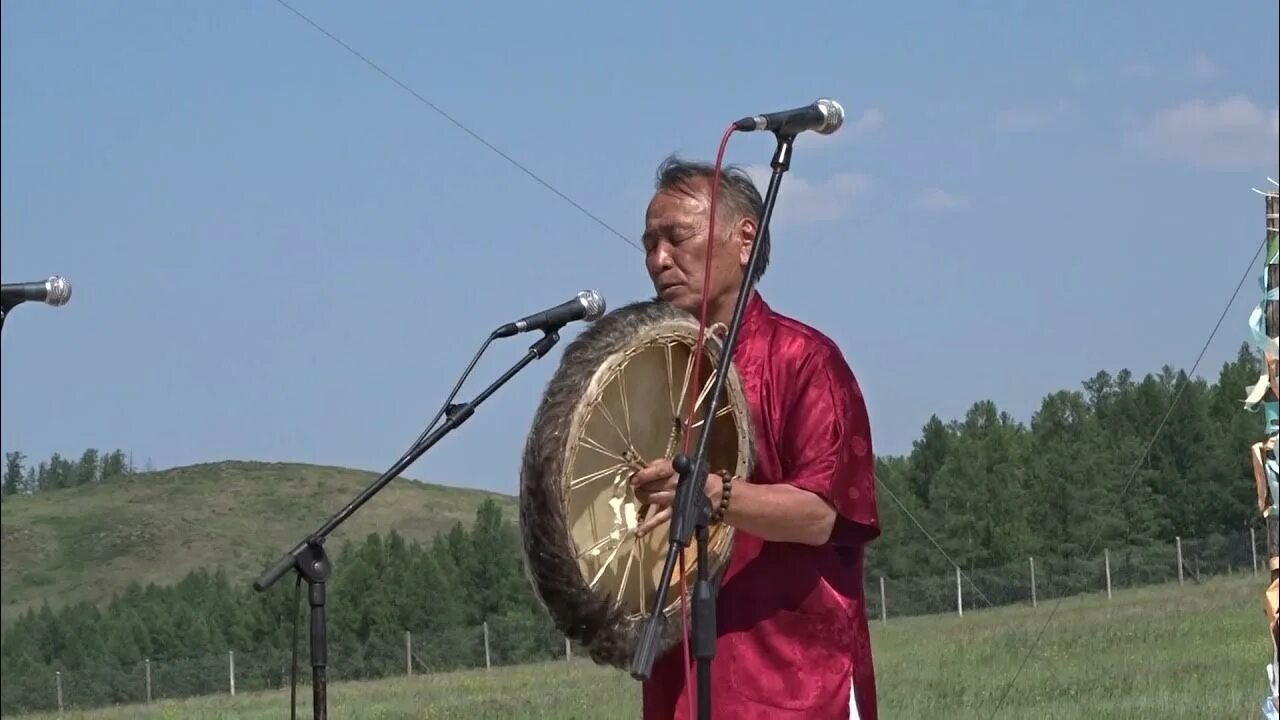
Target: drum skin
(617, 401)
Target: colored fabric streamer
(1273, 479)
(1258, 319)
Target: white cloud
(938, 200)
(1234, 134)
(867, 122)
(802, 201)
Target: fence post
(148, 667)
(884, 612)
(1253, 548)
(1106, 556)
(568, 653)
(1032, 562)
(408, 653)
(231, 670)
(1178, 540)
(959, 594)
(486, 645)
(58, 675)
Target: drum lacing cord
(694, 393)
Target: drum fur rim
(608, 634)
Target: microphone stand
(308, 557)
(4, 311)
(691, 510)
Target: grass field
(90, 542)
(1194, 652)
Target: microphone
(55, 291)
(823, 116)
(587, 305)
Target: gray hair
(737, 196)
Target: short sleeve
(826, 446)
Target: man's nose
(660, 258)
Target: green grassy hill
(1193, 652)
(90, 542)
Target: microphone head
(58, 289)
(833, 113)
(594, 304)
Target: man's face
(675, 241)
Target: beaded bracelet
(726, 480)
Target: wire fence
(75, 686)
(1037, 579)
(517, 640)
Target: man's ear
(746, 237)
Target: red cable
(706, 280)
(693, 394)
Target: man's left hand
(655, 484)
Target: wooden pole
(231, 670)
(1178, 540)
(1271, 398)
(408, 653)
(1106, 556)
(1253, 548)
(1033, 580)
(148, 668)
(884, 612)
(568, 651)
(959, 594)
(486, 645)
(58, 676)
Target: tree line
(990, 491)
(442, 592)
(21, 478)
(993, 491)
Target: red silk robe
(792, 636)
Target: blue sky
(279, 254)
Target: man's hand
(776, 512)
(655, 484)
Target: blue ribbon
(1273, 479)
(1258, 321)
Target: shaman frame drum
(619, 400)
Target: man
(792, 638)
